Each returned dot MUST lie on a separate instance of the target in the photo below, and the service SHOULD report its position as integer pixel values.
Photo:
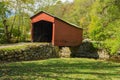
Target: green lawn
(60, 69)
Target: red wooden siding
(63, 34)
(42, 16)
(66, 34)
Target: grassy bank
(60, 69)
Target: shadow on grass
(59, 69)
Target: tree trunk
(7, 37)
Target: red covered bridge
(48, 28)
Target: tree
(20, 20)
(79, 14)
(105, 21)
(3, 18)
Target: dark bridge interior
(42, 31)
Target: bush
(112, 46)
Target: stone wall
(30, 51)
(37, 51)
(65, 52)
(87, 50)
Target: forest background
(100, 19)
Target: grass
(19, 46)
(10, 48)
(60, 69)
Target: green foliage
(113, 40)
(3, 10)
(60, 69)
(112, 46)
(104, 25)
(22, 29)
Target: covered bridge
(48, 28)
